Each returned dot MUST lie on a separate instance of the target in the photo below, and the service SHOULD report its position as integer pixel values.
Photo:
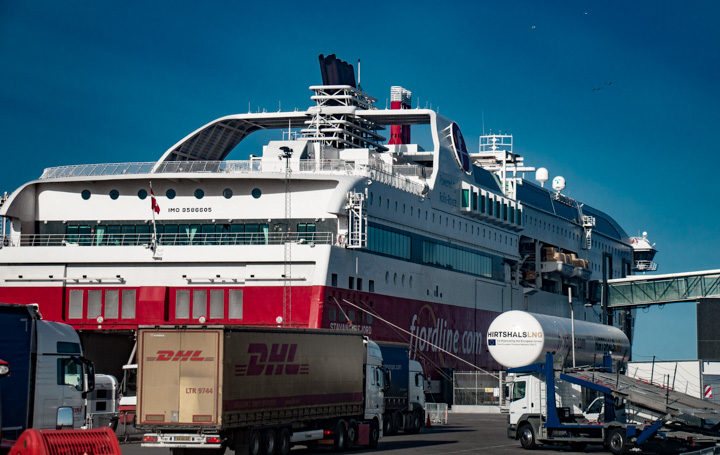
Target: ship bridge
(642, 291)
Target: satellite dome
(558, 183)
(541, 175)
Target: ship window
(359, 284)
(465, 198)
(199, 305)
(380, 201)
(371, 199)
(85, 194)
(142, 194)
(94, 304)
(351, 316)
(387, 277)
(128, 304)
(351, 282)
(403, 208)
(256, 193)
(227, 193)
(371, 286)
(235, 309)
(114, 194)
(332, 314)
(199, 193)
(170, 194)
(411, 280)
(395, 278)
(217, 304)
(75, 306)
(333, 280)
(112, 304)
(182, 304)
(387, 203)
(497, 209)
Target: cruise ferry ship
(332, 225)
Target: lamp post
(572, 323)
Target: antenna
(360, 88)
(482, 113)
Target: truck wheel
(268, 442)
(416, 422)
(398, 422)
(387, 424)
(254, 443)
(527, 436)
(616, 441)
(374, 434)
(340, 436)
(283, 442)
(351, 435)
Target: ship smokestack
(399, 99)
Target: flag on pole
(154, 205)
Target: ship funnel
(400, 98)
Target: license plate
(182, 438)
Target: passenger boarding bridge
(645, 290)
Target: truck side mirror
(388, 375)
(89, 368)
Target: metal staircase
(588, 223)
(357, 220)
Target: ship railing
(405, 177)
(172, 239)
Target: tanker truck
(558, 367)
(258, 389)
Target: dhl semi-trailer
(260, 389)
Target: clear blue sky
(92, 81)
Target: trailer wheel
(374, 434)
(283, 441)
(269, 441)
(254, 443)
(527, 436)
(340, 436)
(616, 441)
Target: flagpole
(153, 241)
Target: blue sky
(90, 82)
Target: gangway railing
(639, 291)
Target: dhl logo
(277, 359)
(179, 356)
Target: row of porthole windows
(395, 279)
(507, 239)
(170, 193)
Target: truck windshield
(518, 391)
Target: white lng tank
(518, 338)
